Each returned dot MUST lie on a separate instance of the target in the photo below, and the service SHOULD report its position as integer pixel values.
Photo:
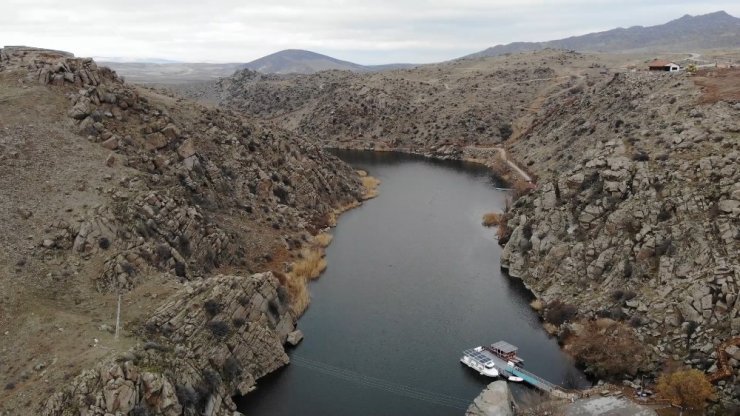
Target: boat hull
(482, 370)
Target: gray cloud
(365, 31)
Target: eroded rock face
(210, 341)
(638, 219)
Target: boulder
(80, 110)
(295, 337)
(729, 205)
(186, 149)
(156, 141)
(111, 143)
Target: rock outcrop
(209, 342)
(495, 400)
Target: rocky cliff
(639, 217)
(113, 189)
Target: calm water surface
(413, 280)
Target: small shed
(661, 65)
(504, 349)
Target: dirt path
(505, 157)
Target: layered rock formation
(112, 189)
(209, 341)
(639, 217)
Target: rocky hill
(436, 108)
(638, 218)
(297, 61)
(689, 33)
(110, 189)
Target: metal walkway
(530, 378)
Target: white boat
(478, 360)
(515, 379)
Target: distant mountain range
(297, 61)
(717, 30)
(689, 33)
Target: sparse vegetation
(104, 243)
(558, 312)
(231, 369)
(219, 329)
(212, 307)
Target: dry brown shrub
(492, 218)
(503, 233)
(522, 188)
(537, 304)
(686, 388)
(608, 349)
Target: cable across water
(380, 384)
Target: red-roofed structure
(661, 65)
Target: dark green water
(413, 280)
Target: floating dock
(503, 356)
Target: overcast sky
(363, 31)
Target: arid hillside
(430, 108)
(637, 215)
(112, 189)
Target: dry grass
(537, 305)
(299, 296)
(492, 218)
(331, 219)
(370, 184)
(323, 240)
(550, 328)
(310, 265)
